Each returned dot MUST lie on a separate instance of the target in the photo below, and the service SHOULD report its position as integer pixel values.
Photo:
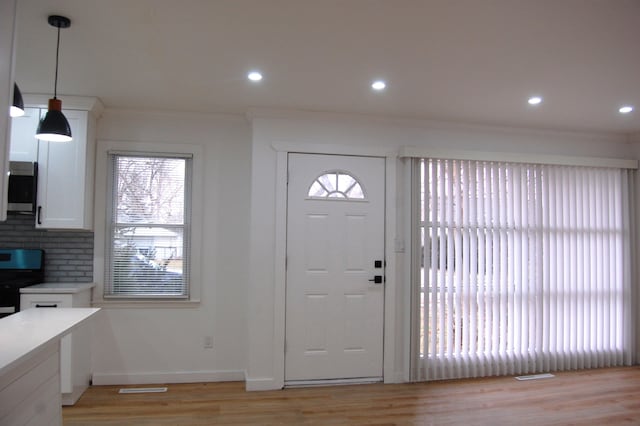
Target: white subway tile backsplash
(68, 254)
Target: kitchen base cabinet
(75, 348)
(30, 393)
(30, 364)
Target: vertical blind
(148, 239)
(522, 269)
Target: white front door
(335, 249)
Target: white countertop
(66, 288)
(27, 331)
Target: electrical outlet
(207, 342)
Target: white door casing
(334, 313)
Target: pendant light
(54, 126)
(17, 107)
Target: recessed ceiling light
(378, 85)
(254, 76)
(625, 109)
(535, 100)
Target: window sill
(145, 304)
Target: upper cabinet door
(62, 181)
(7, 54)
(24, 145)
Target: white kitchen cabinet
(65, 169)
(65, 178)
(30, 394)
(24, 145)
(75, 348)
(7, 59)
(30, 365)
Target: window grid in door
(337, 185)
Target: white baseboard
(167, 377)
(263, 384)
(332, 382)
(397, 377)
(158, 377)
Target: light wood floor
(593, 397)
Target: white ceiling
(471, 61)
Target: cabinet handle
(39, 212)
(52, 305)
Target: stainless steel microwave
(23, 186)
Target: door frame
(301, 369)
(392, 328)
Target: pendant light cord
(55, 82)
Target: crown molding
(83, 103)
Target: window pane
(150, 190)
(148, 261)
(355, 192)
(345, 182)
(338, 185)
(328, 181)
(317, 190)
(149, 244)
(336, 195)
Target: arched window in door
(336, 185)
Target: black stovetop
(21, 267)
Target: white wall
(334, 133)
(151, 345)
(240, 305)
(635, 247)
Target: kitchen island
(30, 363)
(75, 348)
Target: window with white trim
(148, 233)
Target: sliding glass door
(520, 268)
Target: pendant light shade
(54, 126)
(17, 107)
